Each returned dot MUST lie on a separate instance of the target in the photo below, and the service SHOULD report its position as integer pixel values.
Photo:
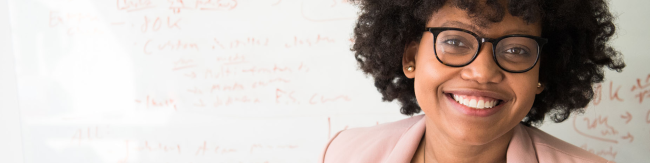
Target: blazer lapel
(408, 143)
(521, 147)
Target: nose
(483, 69)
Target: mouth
(476, 103)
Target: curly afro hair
(578, 32)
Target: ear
(408, 58)
(540, 89)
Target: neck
(439, 147)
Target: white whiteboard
(234, 81)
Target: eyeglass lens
(458, 48)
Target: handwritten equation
(619, 128)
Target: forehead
(450, 16)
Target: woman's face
(437, 86)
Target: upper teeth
(477, 103)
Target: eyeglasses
(457, 47)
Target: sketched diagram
(327, 10)
(598, 128)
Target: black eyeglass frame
(437, 30)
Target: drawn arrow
(628, 117)
(629, 136)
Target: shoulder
(358, 144)
(552, 149)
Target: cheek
(525, 87)
(525, 100)
(430, 74)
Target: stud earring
(539, 85)
(410, 68)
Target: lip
(489, 94)
(476, 112)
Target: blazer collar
(520, 148)
(408, 143)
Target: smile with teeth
(476, 102)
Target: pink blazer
(396, 142)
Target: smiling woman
(483, 72)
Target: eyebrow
(476, 30)
(472, 28)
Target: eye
(516, 51)
(454, 42)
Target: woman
(483, 72)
